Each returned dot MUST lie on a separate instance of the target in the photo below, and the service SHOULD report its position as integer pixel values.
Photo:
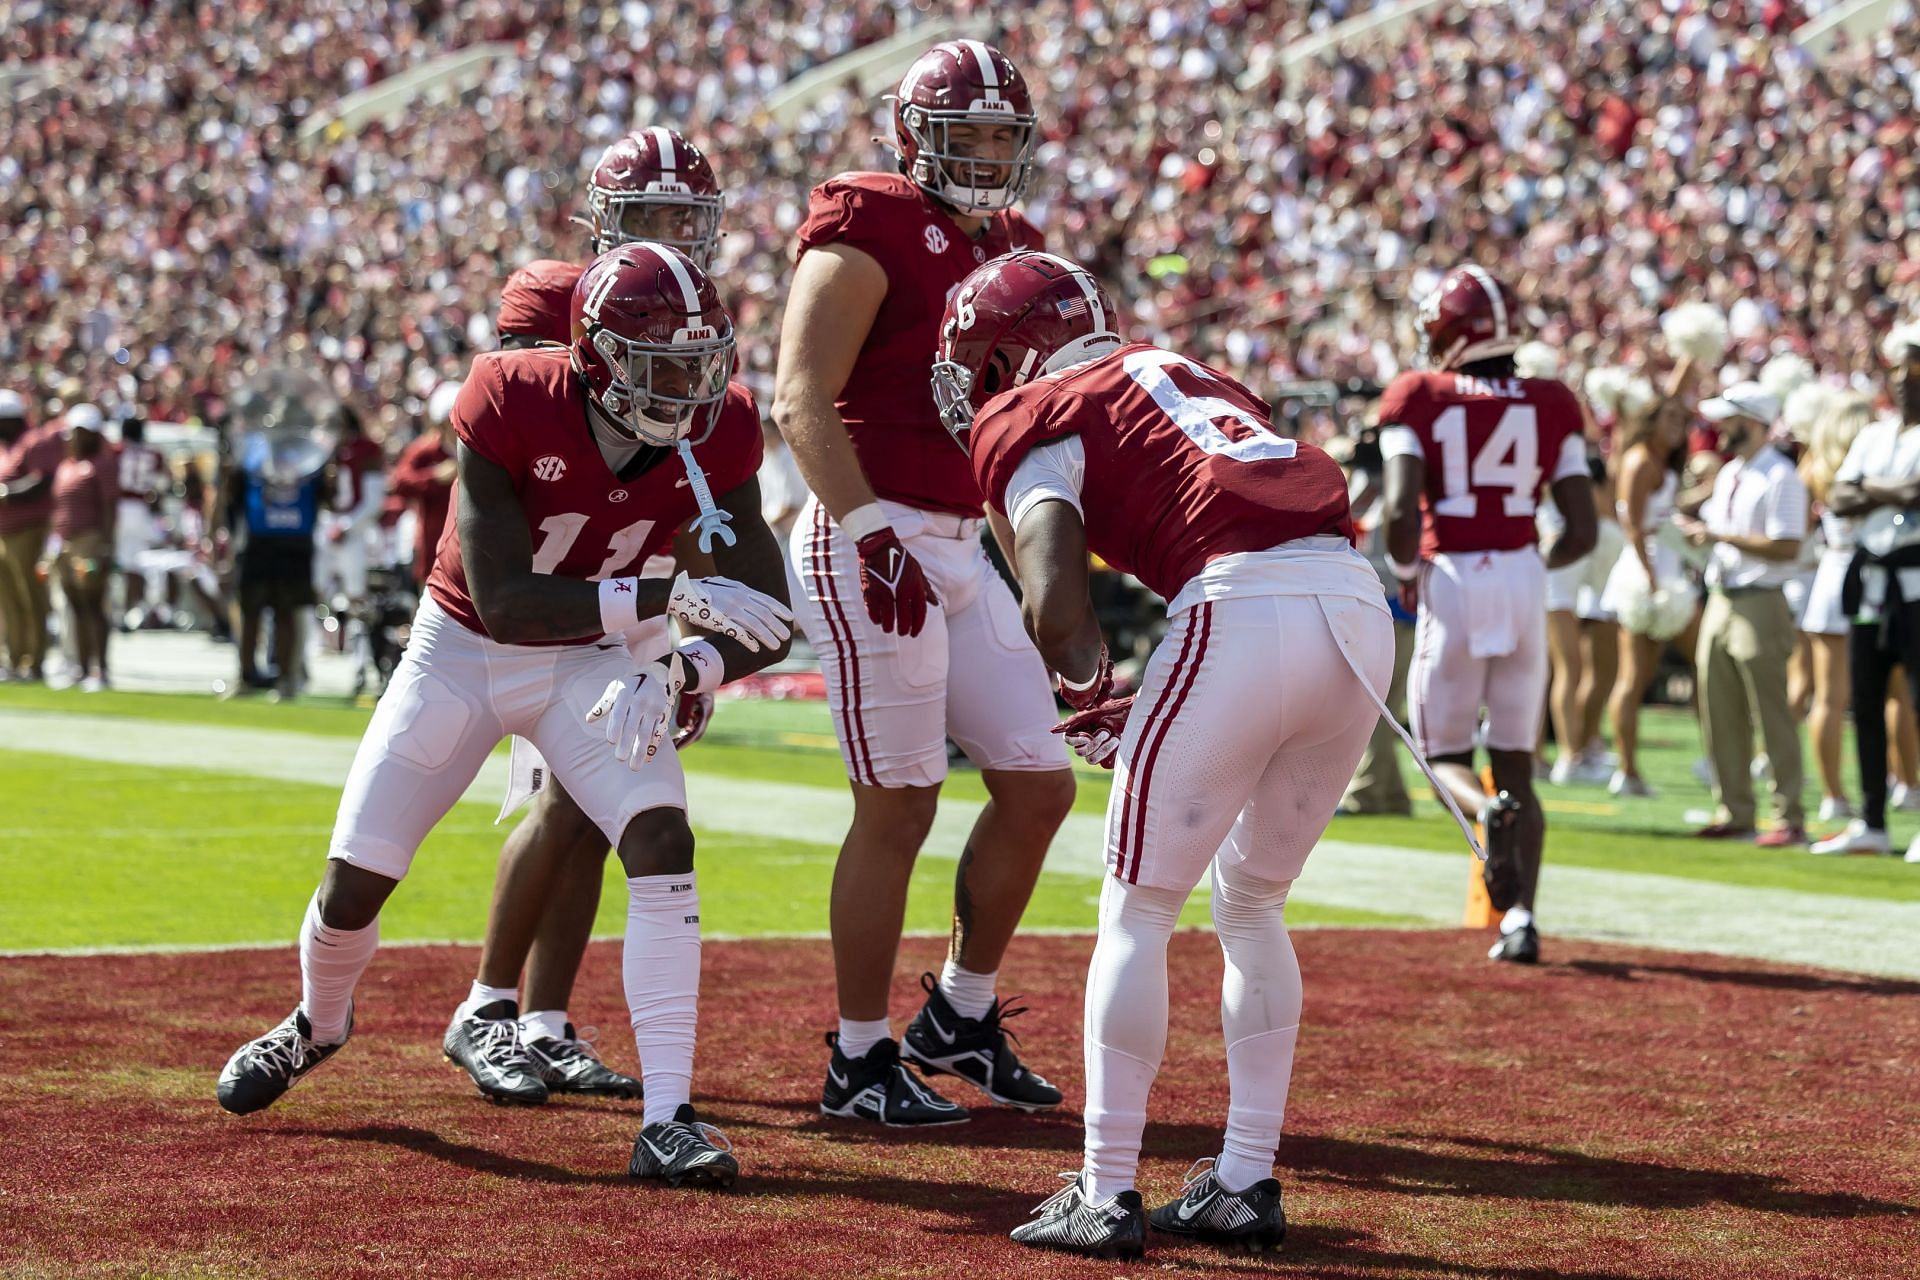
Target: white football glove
(731, 609)
(638, 712)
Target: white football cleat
(1857, 838)
(1625, 786)
(1913, 852)
(1903, 797)
(1835, 808)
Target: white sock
(480, 995)
(1516, 918)
(331, 962)
(858, 1037)
(661, 967)
(970, 994)
(1126, 1027)
(1260, 1014)
(546, 1024)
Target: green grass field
(99, 854)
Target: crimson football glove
(691, 720)
(896, 591)
(1094, 734)
(1085, 698)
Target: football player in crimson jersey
(1252, 713)
(649, 185)
(919, 639)
(1468, 446)
(568, 477)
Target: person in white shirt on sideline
(1754, 523)
(1878, 487)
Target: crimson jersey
(142, 470)
(887, 403)
(353, 461)
(1489, 444)
(526, 412)
(1183, 464)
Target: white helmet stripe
(988, 75)
(1494, 296)
(688, 292)
(1094, 308)
(663, 143)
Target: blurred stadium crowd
(166, 233)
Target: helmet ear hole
(997, 375)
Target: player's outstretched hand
(637, 712)
(690, 724)
(1094, 734)
(731, 609)
(895, 588)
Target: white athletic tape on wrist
(705, 669)
(619, 605)
(1404, 572)
(862, 521)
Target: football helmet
(956, 84)
(1022, 315)
(1470, 316)
(655, 185)
(536, 303)
(653, 344)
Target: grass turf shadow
(1637, 971)
(1526, 1172)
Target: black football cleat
(1114, 1229)
(975, 1049)
(570, 1065)
(1250, 1221)
(487, 1045)
(879, 1087)
(1501, 872)
(684, 1152)
(261, 1070)
(1522, 946)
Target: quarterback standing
(1252, 713)
(918, 637)
(568, 477)
(1467, 447)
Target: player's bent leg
(1235, 1200)
(866, 1079)
(958, 1031)
(661, 968)
(1099, 1212)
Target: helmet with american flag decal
(1017, 317)
(965, 84)
(653, 344)
(655, 185)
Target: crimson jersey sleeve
(1405, 403)
(1011, 427)
(477, 416)
(736, 444)
(842, 211)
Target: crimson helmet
(652, 342)
(1470, 317)
(964, 83)
(1015, 318)
(537, 302)
(655, 185)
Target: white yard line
(1861, 934)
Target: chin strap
(712, 522)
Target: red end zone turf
(1614, 1113)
